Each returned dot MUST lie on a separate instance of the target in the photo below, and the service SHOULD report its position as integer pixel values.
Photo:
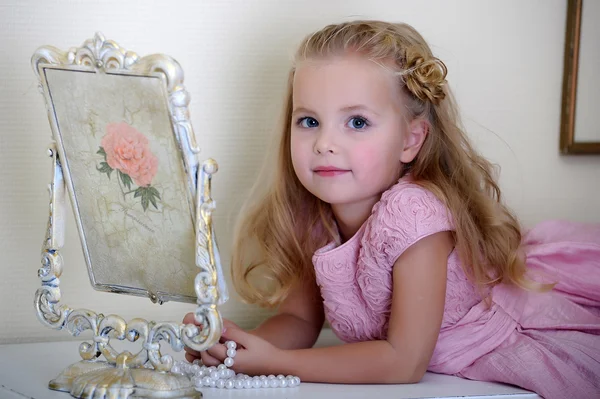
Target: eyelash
(365, 121)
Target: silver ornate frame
(147, 372)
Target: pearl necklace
(224, 377)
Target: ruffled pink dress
(548, 343)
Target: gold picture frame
(568, 142)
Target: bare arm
(419, 287)
(298, 321)
(296, 325)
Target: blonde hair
(288, 224)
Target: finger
(229, 324)
(190, 358)
(240, 336)
(218, 351)
(208, 360)
(190, 318)
(192, 352)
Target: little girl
(382, 219)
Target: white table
(25, 370)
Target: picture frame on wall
(579, 133)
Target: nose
(325, 143)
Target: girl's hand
(206, 358)
(254, 355)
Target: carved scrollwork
(101, 55)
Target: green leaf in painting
(153, 200)
(144, 202)
(105, 168)
(154, 192)
(102, 152)
(148, 195)
(127, 182)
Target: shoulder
(410, 206)
(406, 213)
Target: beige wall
(505, 63)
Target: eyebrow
(350, 108)
(359, 107)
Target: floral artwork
(132, 197)
(126, 151)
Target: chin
(332, 198)
(334, 193)
(327, 197)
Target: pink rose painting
(126, 150)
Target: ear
(415, 136)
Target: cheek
(376, 162)
(298, 152)
(368, 158)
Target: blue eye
(358, 122)
(307, 122)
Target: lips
(329, 171)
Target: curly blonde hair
(277, 236)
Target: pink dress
(548, 343)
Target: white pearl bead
(223, 376)
(231, 352)
(231, 345)
(198, 362)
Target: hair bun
(425, 78)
